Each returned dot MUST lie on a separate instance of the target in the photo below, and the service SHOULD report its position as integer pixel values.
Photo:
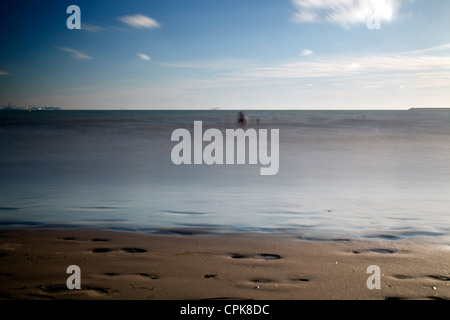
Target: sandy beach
(139, 266)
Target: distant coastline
(443, 108)
(45, 108)
(30, 108)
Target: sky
(233, 54)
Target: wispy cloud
(91, 27)
(344, 12)
(444, 47)
(390, 80)
(4, 73)
(144, 57)
(306, 52)
(420, 68)
(140, 21)
(213, 64)
(75, 53)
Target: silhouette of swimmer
(243, 119)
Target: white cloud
(140, 21)
(390, 80)
(144, 57)
(444, 47)
(344, 12)
(352, 66)
(418, 70)
(75, 53)
(4, 73)
(307, 52)
(91, 27)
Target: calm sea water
(342, 175)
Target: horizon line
(233, 109)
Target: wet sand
(126, 265)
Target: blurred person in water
(243, 119)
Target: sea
(342, 174)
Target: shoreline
(120, 265)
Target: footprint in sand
(133, 250)
(127, 250)
(434, 277)
(300, 280)
(48, 288)
(440, 278)
(40, 296)
(267, 256)
(239, 256)
(402, 277)
(381, 251)
(262, 280)
(2, 275)
(100, 250)
(149, 276)
(262, 256)
(97, 290)
(139, 275)
(59, 288)
(99, 240)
